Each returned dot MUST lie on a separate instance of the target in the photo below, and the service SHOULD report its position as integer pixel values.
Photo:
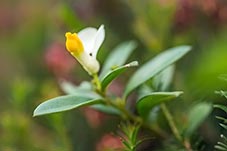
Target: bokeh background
(33, 60)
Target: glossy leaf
(118, 57)
(106, 109)
(147, 103)
(196, 116)
(63, 103)
(154, 66)
(109, 77)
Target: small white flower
(84, 47)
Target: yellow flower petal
(74, 44)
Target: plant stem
(174, 129)
(171, 122)
(125, 112)
(127, 115)
(97, 82)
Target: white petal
(87, 36)
(90, 64)
(99, 38)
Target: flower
(84, 47)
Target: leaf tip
(187, 47)
(133, 64)
(35, 114)
(179, 93)
(215, 106)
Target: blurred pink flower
(59, 60)
(94, 117)
(109, 143)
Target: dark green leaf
(109, 77)
(63, 103)
(154, 66)
(118, 57)
(196, 116)
(146, 103)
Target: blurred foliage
(27, 76)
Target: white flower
(84, 47)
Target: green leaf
(106, 109)
(83, 90)
(126, 144)
(144, 90)
(135, 133)
(63, 103)
(147, 103)
(109, 77)
(196, 116)
(224, 108)
(154, 66)
(118, 57)
(163, 80)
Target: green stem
(171, 122)
(174, 129)
(97, 82)
(126, 113)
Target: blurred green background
(33, 60)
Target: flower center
(73, 44)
